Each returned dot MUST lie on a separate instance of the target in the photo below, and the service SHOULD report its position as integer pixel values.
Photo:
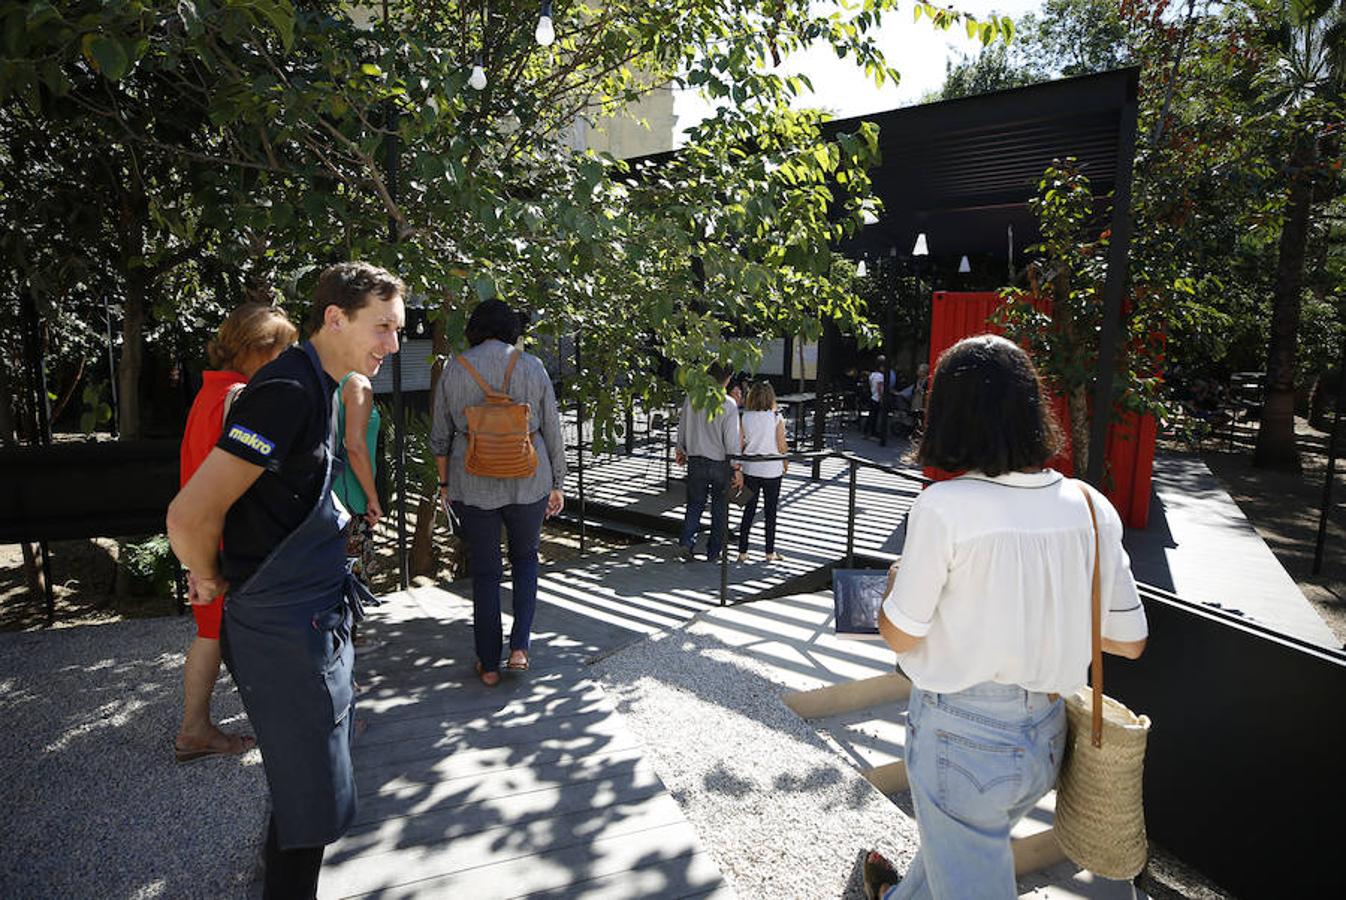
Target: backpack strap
(509, 370)
(481, 382)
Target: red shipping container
(1130, 451)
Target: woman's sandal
(236, 744)
(518, 665)
(879, 874)
(490, 679)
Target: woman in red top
(251, 336)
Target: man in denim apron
(265, 491)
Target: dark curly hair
(493, 319)
(988, 411)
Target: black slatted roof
(963, 170)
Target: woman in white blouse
(989, 614)
(763, 435)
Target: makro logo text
(251, 439)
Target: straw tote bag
(1100, 817)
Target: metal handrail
(854, 464)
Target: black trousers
(290, 874)
(872, 423)
(768, 488)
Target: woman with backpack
(497, 442)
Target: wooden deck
(535, 788)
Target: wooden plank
(546, 853)
(837, 699)
(400, 703)
(457, 814)
(425, 778)
(587, 730)
(671, 878)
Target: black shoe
(688, 555)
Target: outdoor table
(800, 402)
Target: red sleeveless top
(205, 422)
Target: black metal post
(889, 344)
(724, 548)
(399, 410)
(850, 518)
(668, 450)
(579, 441)
(1119, 259)
(1334, 441)
(819, 430)
(630, 427)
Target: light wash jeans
(978, 761)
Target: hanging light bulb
(478, 79)
(545, 33)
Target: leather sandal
(491, 678)
(879, 874)
(235, 744)
(518, 665)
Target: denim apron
(287, 642)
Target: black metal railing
(854, 464)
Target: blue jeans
(481, 531)
(706, 478)
(978, 761)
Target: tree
(1065, 38)
(254, 141)
(1307, 90)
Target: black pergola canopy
(962, 171)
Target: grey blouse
(448, 430)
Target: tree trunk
(422, 561)
(128, 373)
(1078, 404)
(1276, 433)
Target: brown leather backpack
(499, 443)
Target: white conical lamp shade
(861, 270)
(964, 266)
(921, 248)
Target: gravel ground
(782, 813)
(94, 804)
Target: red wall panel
(954, 316)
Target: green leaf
(109, 56)
(484, 285)
(280, 14)
(371, 70)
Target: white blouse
(759, 439)
(995, 576)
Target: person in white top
(875, 396)
(763, 435)
(989, 614)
